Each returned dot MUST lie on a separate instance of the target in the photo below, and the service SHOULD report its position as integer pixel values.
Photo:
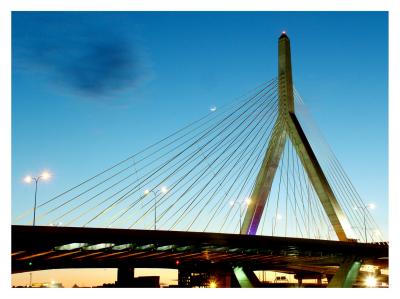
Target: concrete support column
(319, 280)
(246, 278)
(227, 277)
(299, 281)
(347, 274)
(125, 276)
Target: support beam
(321, 186)
(319, 280)
(347, 274)
(264, 181)
(299, 282)
(246, 278)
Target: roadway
(50, 247)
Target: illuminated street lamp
(212, 284)
(370, 282)
(163, 190)
(365, 208)
(273, 224)
(45, 175)
(246, 202)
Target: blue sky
(89, 89)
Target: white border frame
(205, 5)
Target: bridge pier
(125, 277)
(299, 282)
(307, 275)
(319, 280)
(347, 274)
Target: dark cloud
(102, 68)
(80, 53)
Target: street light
(273, 224)
(163, 190)
(365, 208)
(246, 202)
(370, 282)
(212, 284)
(45, 175)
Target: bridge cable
(24, 214)
(256, 161)
(219, 144)
(201, 137)
(239, 173)
(205, 134)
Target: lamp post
(273, 224)
(240, 204)
(45, 175)
(163, 190)
(365, 208)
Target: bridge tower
(288, 126)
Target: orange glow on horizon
(89, 277)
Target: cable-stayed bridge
(250, 186)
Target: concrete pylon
(125, 276)
(347, 274)
(246, 278)
(287, 126)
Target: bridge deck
(43, 247)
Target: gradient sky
(90, 89)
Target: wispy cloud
(79, 53)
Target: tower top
(283, 35)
